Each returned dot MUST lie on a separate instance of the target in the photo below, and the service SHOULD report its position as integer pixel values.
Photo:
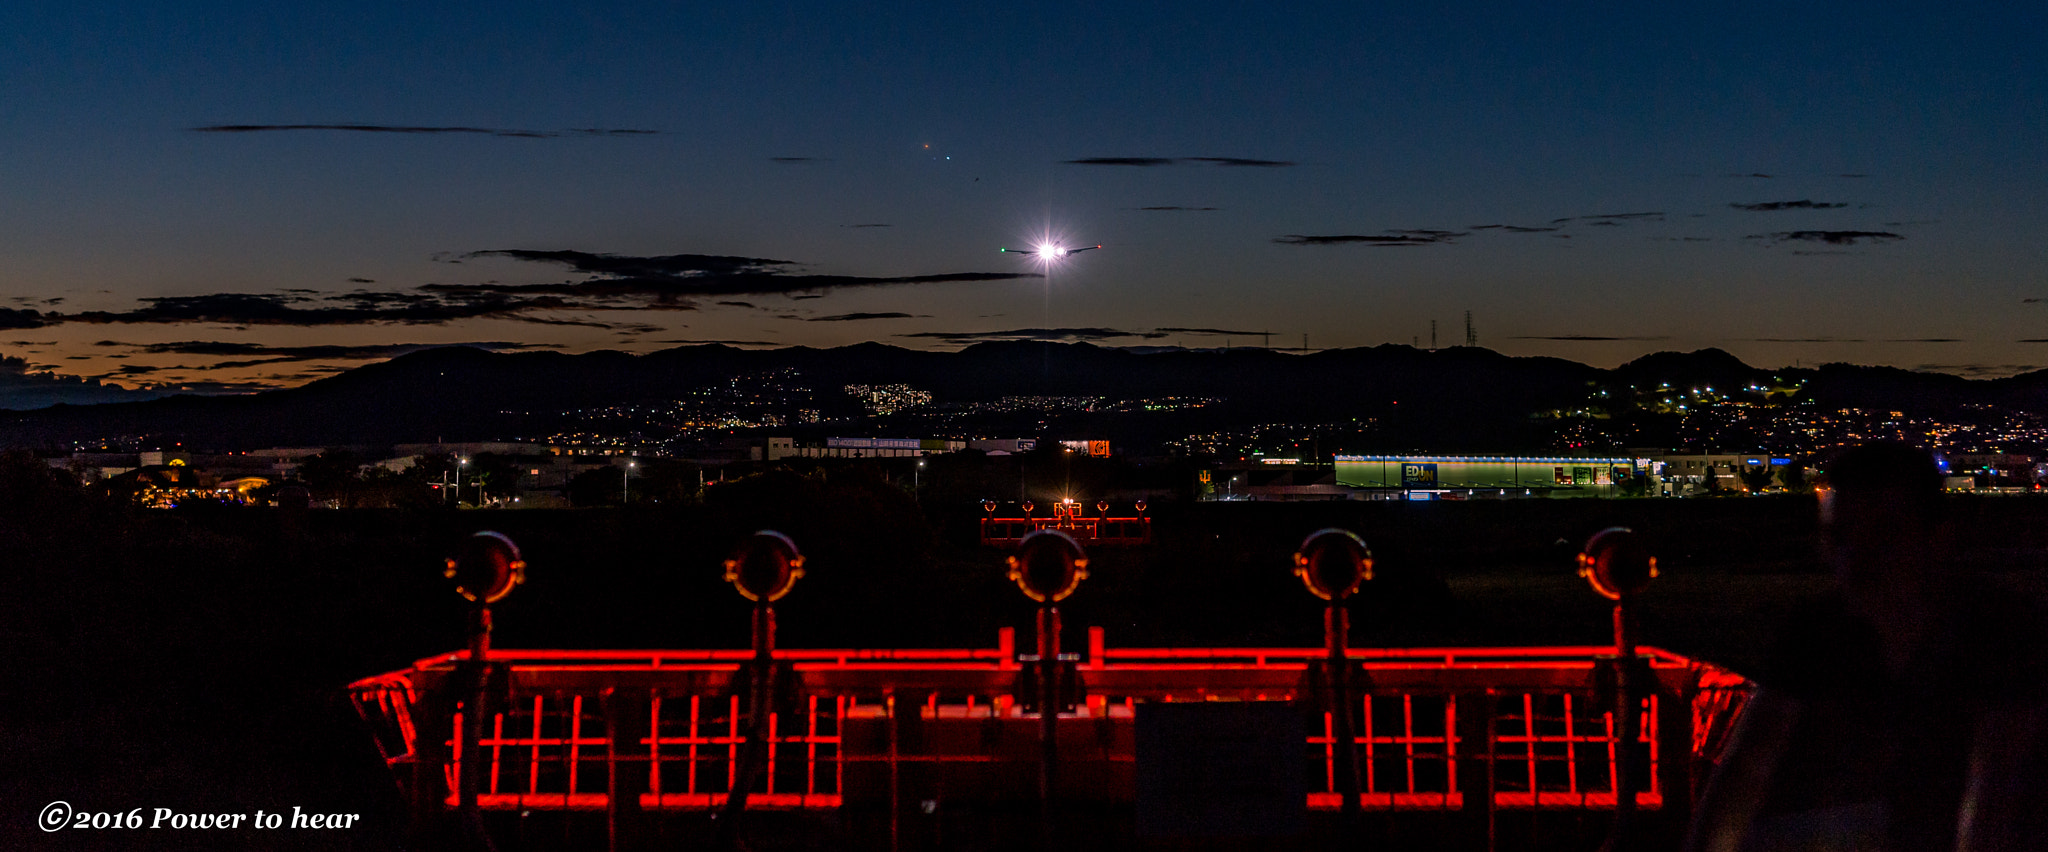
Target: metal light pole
(626, 483)
(1333, 563)
(1619, 566)
(1048, 566)
(763, 569)
(458, 481)
(484, 571)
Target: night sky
(258, 194)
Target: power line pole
(1471, 337)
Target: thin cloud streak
(427, 130)
(1395, 239)
(1801, 204)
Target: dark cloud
(674, 279)
(213, 388)
(1834, 238)
(1611, 218)
(1068, 335)
(1906, 224)
(859, 316)
(1750, 175)
(792, 160)
(1810, 340)
(1393, 239)
(1978, 371)
(1594, 338)
(1121, 161)
(658, 266)
(1512, 229)
(737, 304)
(1220, 332)
(868, 225)
(1240, 161)
(425, 130)
(359, 308)
(257, 354)
(1176, 208)
(1801, 204)
(1168, 161)
(611, 283)
(362, 281)
(1924, 340)
(15, 318)
(701, 342)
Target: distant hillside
(22, 388)
(1457, 397)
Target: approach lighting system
(1048, 566)
(765, 566)
(1617, 563)
(486, 568)
(1333, 563)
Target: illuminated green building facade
(1561, 477)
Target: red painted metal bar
(1537, 705)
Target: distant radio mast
(1432, 335)
(1471, 337)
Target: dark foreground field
(195, 659)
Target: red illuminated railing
(1436, 729)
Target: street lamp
(626, 482)
(458, 481)
(917, 477)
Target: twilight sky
(262, 193)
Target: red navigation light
(1333, 563)
(486, 568)
(765, 566)
(1048, 566)
(1617, 563)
